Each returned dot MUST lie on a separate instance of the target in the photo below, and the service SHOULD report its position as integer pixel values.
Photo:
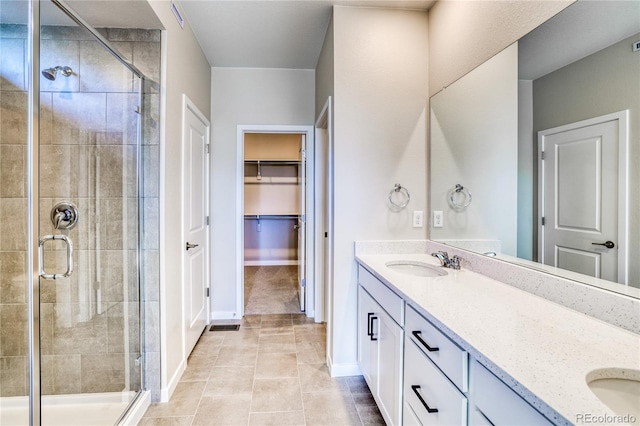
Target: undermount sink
(416, 268)
(618, 389)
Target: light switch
(438, 219)
(418, 219)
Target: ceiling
(270, 33)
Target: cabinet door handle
(369, 332)
(373, 317)
(415, 388)
(417, 334)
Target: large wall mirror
(535, 154)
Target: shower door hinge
(543, 221)
(542, 155)
(303, 282)
(303, 153)
(137, 109)
(206, 148)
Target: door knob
(607, 244)
(190, 246)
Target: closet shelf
(271, 216)
(272, 180)
(273, 162)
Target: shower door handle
(69, 244)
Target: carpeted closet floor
(271, 290)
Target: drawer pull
(415, 388)
(373, 317)
(369, 332)
(417, 334)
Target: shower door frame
(33, 192)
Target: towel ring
(403, 195)
(455, 201)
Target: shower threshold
(78, 409)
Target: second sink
(416, 268)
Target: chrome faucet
(453, 263)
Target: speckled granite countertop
(543, 350)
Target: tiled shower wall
(88, 156)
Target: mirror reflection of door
(580, 201)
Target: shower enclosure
(72, 126)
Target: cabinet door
(367, 347)
(390, 354)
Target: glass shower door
(89, 233)
(14, 264)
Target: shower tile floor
(271, 371)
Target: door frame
(310, 216)
(324, 183)
(189, 105)
(622, 117)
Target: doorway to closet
(275, 234)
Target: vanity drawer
(390, 302)
(449, 357)
(425, 387)
(498, 403)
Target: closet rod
(270, 216)
(273, 162)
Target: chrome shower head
(50, 73)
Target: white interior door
(302, 229)
(580, 199)
(195, 228)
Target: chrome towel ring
(459, 197)
(399, 197)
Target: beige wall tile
(13, 281)
(13, 376)
(103, 373)
(14, 334)
(60, 53)
(13, 116)
(61, 374)
(101, 72)
(78, 117)
(12, 64)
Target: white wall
(185, 70)
(482, 155)
(464, 34)
(245, 96)
(380, 93)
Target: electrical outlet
(438, 219)
(418, 219)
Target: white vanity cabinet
(493, 402)
(435, 374)
(380, 344)
(419, 376)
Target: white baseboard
(166, 392)
(271, 262)
(343, 370)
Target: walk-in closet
(273, 200)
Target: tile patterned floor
(271, 290)
(270, 372)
